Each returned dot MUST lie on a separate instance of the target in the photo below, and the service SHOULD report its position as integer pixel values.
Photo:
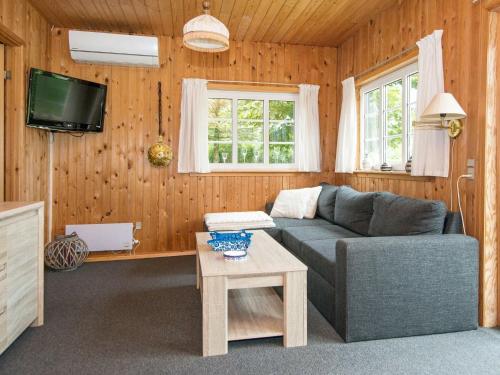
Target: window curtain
(431, 147)
(345, 161)
(308, 151)
(193, 139)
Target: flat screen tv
(61, 103)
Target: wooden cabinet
(21, 269)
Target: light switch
(471, 168)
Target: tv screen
(58, 102)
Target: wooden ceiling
(310, 22)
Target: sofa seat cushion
(275, 233)
(394, 215)
(293, 237)
(319, 255)
(283, 222)
(354, 210)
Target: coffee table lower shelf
(254, 313)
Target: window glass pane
(372, 111)
(412, 113)
(220, 120)
(394, 95)
(250, 131)
(394, 151)
(372, 101)
(394, 108)
(220, 152)
(372, 126)
(372, 152)
(281, 110)
(412, 116)
(410, 145)
(281, 121)
(413, 87)
(250, 120)
(281, 153)
(250, 152)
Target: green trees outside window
(244, 132)
(388, 111)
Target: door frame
(490, 172)
(2, 123)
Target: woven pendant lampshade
(206, 33)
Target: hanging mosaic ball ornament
(160, 154)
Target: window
(388, 109)
(251, 131)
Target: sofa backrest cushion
(353, 209)
(394, 215)
(453, 223)
(326, 202)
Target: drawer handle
(4, 309)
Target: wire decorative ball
(160, 154)
(66, 253)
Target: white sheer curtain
(193, 140)
(308, 151)
(345, 161)
(431, 147)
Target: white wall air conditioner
(116, 49)
(104, 237)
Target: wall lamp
(443, 112)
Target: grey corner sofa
(384, 266)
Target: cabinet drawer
(21, 283)
(3, 301)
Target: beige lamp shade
(206, 33)
(444, 107)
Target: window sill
(393, 175)
(250, 173)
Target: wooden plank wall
(26, 149)
(464, 53)
(102, 178)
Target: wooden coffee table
(238, 300)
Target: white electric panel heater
(105, 237)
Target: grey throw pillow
(353, 209)
(326, 201)
(395, 215)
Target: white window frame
(403, 73)
(234, 166)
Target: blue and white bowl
(230, 241)
(235, 255)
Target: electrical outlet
(138, 225)
(471, 168)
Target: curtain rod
(254, 83)
(390, 59)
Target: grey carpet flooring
(144, 317)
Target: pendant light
(206, 33)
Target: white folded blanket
(238, 220)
